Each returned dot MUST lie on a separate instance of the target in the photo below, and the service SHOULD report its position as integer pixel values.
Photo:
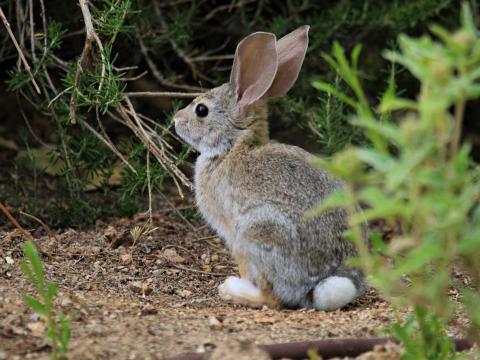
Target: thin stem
(20, 53)
(178, 95)
(15, 223)
(90, 38)
(24, 232)
(360, 241)
(457, 132)
(149, 185)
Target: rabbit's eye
(201, 110)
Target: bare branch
(138, 128)
(91, 36)
(58, 96)
(149, 185)
(32, 30)
(180, 52)
(20, 53)
(21, 21)
(27, 122)
(179, 95)
(125, 68)
(136, 77)
(45, 27)
(158, 75)
(212, 58)
(24, 232)
(227, 7)
(45, 227)
(108, 143)
(45, 46)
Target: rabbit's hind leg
(243, 291)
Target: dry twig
(45, 227)
(149, 185)
(27, 122)
(108, 143)
(227, 7)
(90, 38)
(24, 232)
(158, 75)
(212, 58)
(161, 154)
(32, 30)
(178, 212)
(19, 50)
(45, 46)
(15, 222)
(179, 95)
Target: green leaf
(330, 89)
(407, 60)
(334, 200)
(402, 169)
(31, 252)
(34, 304)
(355, 55)
(470, 243)
(345, 165)
(65, 333)
(394, 103)
(374, 196)
(384, 211)
(378, 244)
(379, 161)
(389, 131)
(473, 91)
(28, 271)
(447, 38)
(418, 258)
(461, 161)
(331, 61)
(52, 333)
(467, 19)
(51, 291)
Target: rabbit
(254, 193)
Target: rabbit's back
(283, 178)
(282, 174)
(274, 185)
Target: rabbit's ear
(291, 51)
(254, 68)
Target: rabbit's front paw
(239, 290)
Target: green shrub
(417, 175)
(184, 46)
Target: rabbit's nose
(180, 117)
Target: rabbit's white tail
(333, 293)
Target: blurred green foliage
(416, 175)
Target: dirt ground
(154, 298)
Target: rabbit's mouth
(180, 128)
